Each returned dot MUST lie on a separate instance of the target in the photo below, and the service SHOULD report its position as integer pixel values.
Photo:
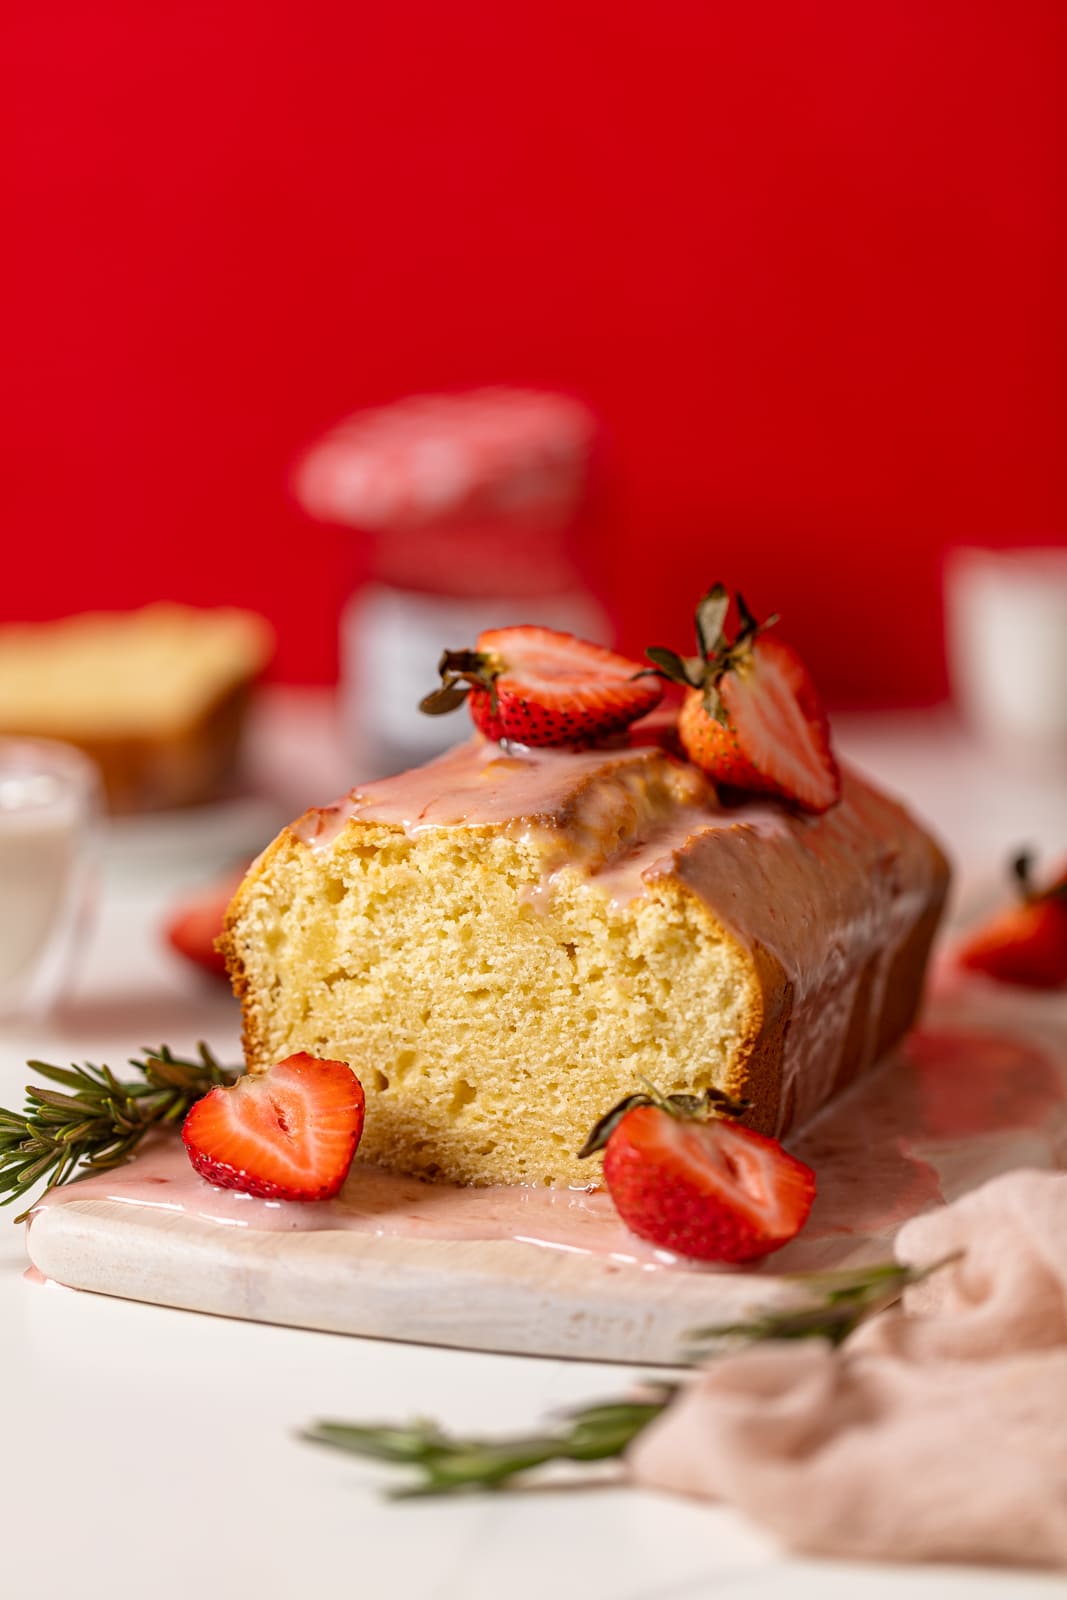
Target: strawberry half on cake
(538, 687)
(564, 908)
(752, 718)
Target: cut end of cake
(504, 944)
(491, 997)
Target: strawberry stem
(711, 615)
(1022, 871)
(701, 1107)
(718, 654)
(1022, 866)
(461, 671)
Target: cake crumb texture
(491, 1024)
(498, 985)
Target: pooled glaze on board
(950, 1108)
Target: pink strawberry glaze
(591, 801)
(950, 1109)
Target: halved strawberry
(540, 687)
(752, 718)
(1027, 944)
(195, 924)
(285, 1134)
(691, 1182)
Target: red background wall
(806, 259)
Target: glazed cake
(504, 943)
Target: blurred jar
(470, 505)
(50, 803)
(1006, 633)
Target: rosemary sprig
(451, 1464)
(100, 1120)
(847, 1299)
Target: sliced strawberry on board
(540, 687)
(285, 1134)
(196, 922)
(688, 1180)
(752, 718)
(1027, 944)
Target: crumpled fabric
(938, 1431)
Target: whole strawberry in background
(752, 718)
(194, 924)
(539, 687)
(1027, 944)
(689, 1180)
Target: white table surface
(149, 1452)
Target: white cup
(1006, 633)
(49, 810)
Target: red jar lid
(437, 460)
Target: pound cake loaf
(503, 943)
(156, 697)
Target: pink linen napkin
(937, 1431)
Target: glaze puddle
(948, 1110)
(372, 1202)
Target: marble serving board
(979, 1089)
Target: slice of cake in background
(156, 697)
(502, 944)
